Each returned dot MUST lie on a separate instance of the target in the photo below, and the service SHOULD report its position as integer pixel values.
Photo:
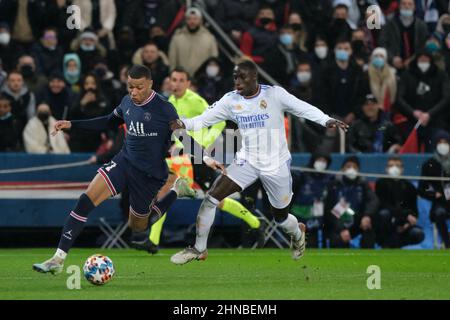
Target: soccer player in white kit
(258, 111)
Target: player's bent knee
(137, 224)
(279, 215)
(210, 202)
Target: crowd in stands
(383, 80)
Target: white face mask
(320, 165)
(321, 52)
(212, 71)
(5, 38)
(423, 66)
(351, 173)
(443, 148)
(303, 76)
(394, 171)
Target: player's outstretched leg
(96, 193)
(222, 188)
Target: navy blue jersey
(148, 133)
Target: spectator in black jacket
(404, 35)
(47, 53)
(152, 59)
(57, 95)
(340, 25)
(258, 40)
(438, 192)
(91, 104)
(374, 132)
(8, 127)
(8, 51)
(424, 94)
(343, 84)
(211, 80)
(23, 101)
(34, 79)
(309, 192)
(281, 60)
(397, 226)
(109, 85)
(350, 208)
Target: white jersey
(260, 119)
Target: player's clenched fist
(60, 125)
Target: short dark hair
(343, 39)
(181, 70)
(138, 71)
(249, 65)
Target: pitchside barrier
(39, 191)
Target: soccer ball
(98, 269)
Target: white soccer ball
(98, 269)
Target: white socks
(60, 254)
(290, 226)
(205, 219)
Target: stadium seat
(113, 234)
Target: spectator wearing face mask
(91, 104)
(211, 80)
(373, 132)
(72, 71)
(47, 53)
(424, 94)
(37, 137)
(9, 130)
(307, 136)
(22, 100)
(109, 85)
(301, 38)
(433, 46)
(88, 49)
(34, 79)
(342, 84)
(382, 79)
(397, 217)
(309, 192)
(8, 52)
(404, 35)
(282, 59)
(57, 95)
(320, 55)
(438, 192)
(262, 37)
(193, 44)
(340, 26)
(350, 208)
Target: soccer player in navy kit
(140, 164)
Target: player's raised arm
(114, 119)
(305, 110)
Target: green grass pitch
(236, 274)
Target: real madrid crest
(263, 104)
(238, 107)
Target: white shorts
(277, 183)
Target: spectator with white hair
(193, 44)
(382, 79)
(36, 135)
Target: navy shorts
(143, 189)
